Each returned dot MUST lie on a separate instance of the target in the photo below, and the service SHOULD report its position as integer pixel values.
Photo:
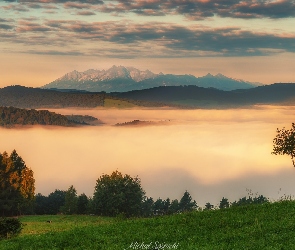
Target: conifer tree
(17, 185)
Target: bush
(9, 227)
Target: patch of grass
(121, 104)
(267, 226)
(39, 224)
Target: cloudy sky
(42, 40)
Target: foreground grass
(268, 226)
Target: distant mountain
(123, 79)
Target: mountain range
(123, 79)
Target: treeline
(114, 194)
(68, 202)
(10, 116)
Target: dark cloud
(192, 9)
(56, 1)
(198, 9)
(6, 26)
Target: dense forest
(10, 116)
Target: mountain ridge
(123, 79)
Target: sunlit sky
(42, 40)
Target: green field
(267, 226)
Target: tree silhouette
(208, 206)
(224, 203)
(284, 142)
(82, 204)
(186, 203)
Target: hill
(10, 117)
(173, 96)
(122, 79)
(25, 97)
(193, 96)
(267, 226)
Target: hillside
(268, 226)
(122, 79)
(11, 116)
(25, 97)
(173, 96)
(193, 96)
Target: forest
(10, 116)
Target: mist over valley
(210, 153)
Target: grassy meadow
(267, 226)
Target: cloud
(6, 26)
(199, 9)
(85, 13)
(27, 26)
(77, 5)
(56, 1)
(129, 39)
(191, 9)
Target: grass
(267, 226)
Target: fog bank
(210, 153)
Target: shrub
(9, 227)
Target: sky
(41, 40)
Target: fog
(210, 153)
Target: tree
(186, 203)
(17, 185)
(50, 204)
(284, 142)
(82, 204)
(55, 201)
(147, 207)
(159, 207)
(70, 206)
(208, 206)
(174, 207)
(224, 203)
(117, 194)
